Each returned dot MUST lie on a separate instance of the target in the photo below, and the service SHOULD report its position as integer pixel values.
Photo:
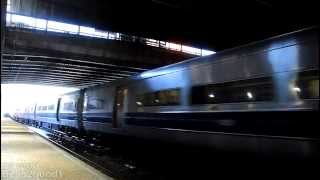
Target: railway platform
(25, 155)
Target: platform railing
(21, 21)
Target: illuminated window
(206, 52)
(94, 104)
(41, 24)
(8, 5)
(8, 19)
(260, 89)
(86, 31)
(114, 35)
(152, 42)
(23, 21)
(44, 108)
(62, 27)
(51, 107)
(68, 106)
(160, 98)
(173, 46)
(191, 50)
(101, 34)
(162, 44)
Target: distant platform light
(211, 95)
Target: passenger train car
(260, 97)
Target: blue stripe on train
(46, 115)
(68, 116)
(93, 117)
(98, 117)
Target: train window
(260, 89)
(68, 106)
(44, 108)
(94, 104)
(39, 108)
(160, 98)
(51, 107)
(307, 85)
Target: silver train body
(261, 97)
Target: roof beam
(77, 67)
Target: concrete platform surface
(25, 155)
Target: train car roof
(275, 42)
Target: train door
(35, 112)
(58, 109)
(79, 108)
(120, 106)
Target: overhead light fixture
(249, 94)
(296, 89)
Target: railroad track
(100, 157)
(155, 160)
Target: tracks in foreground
(133, 159)
(107, 159)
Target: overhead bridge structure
(33, 56)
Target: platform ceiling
(214, 25)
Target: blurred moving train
(260, 97)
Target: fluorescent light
(249, 94)
(296, 89)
